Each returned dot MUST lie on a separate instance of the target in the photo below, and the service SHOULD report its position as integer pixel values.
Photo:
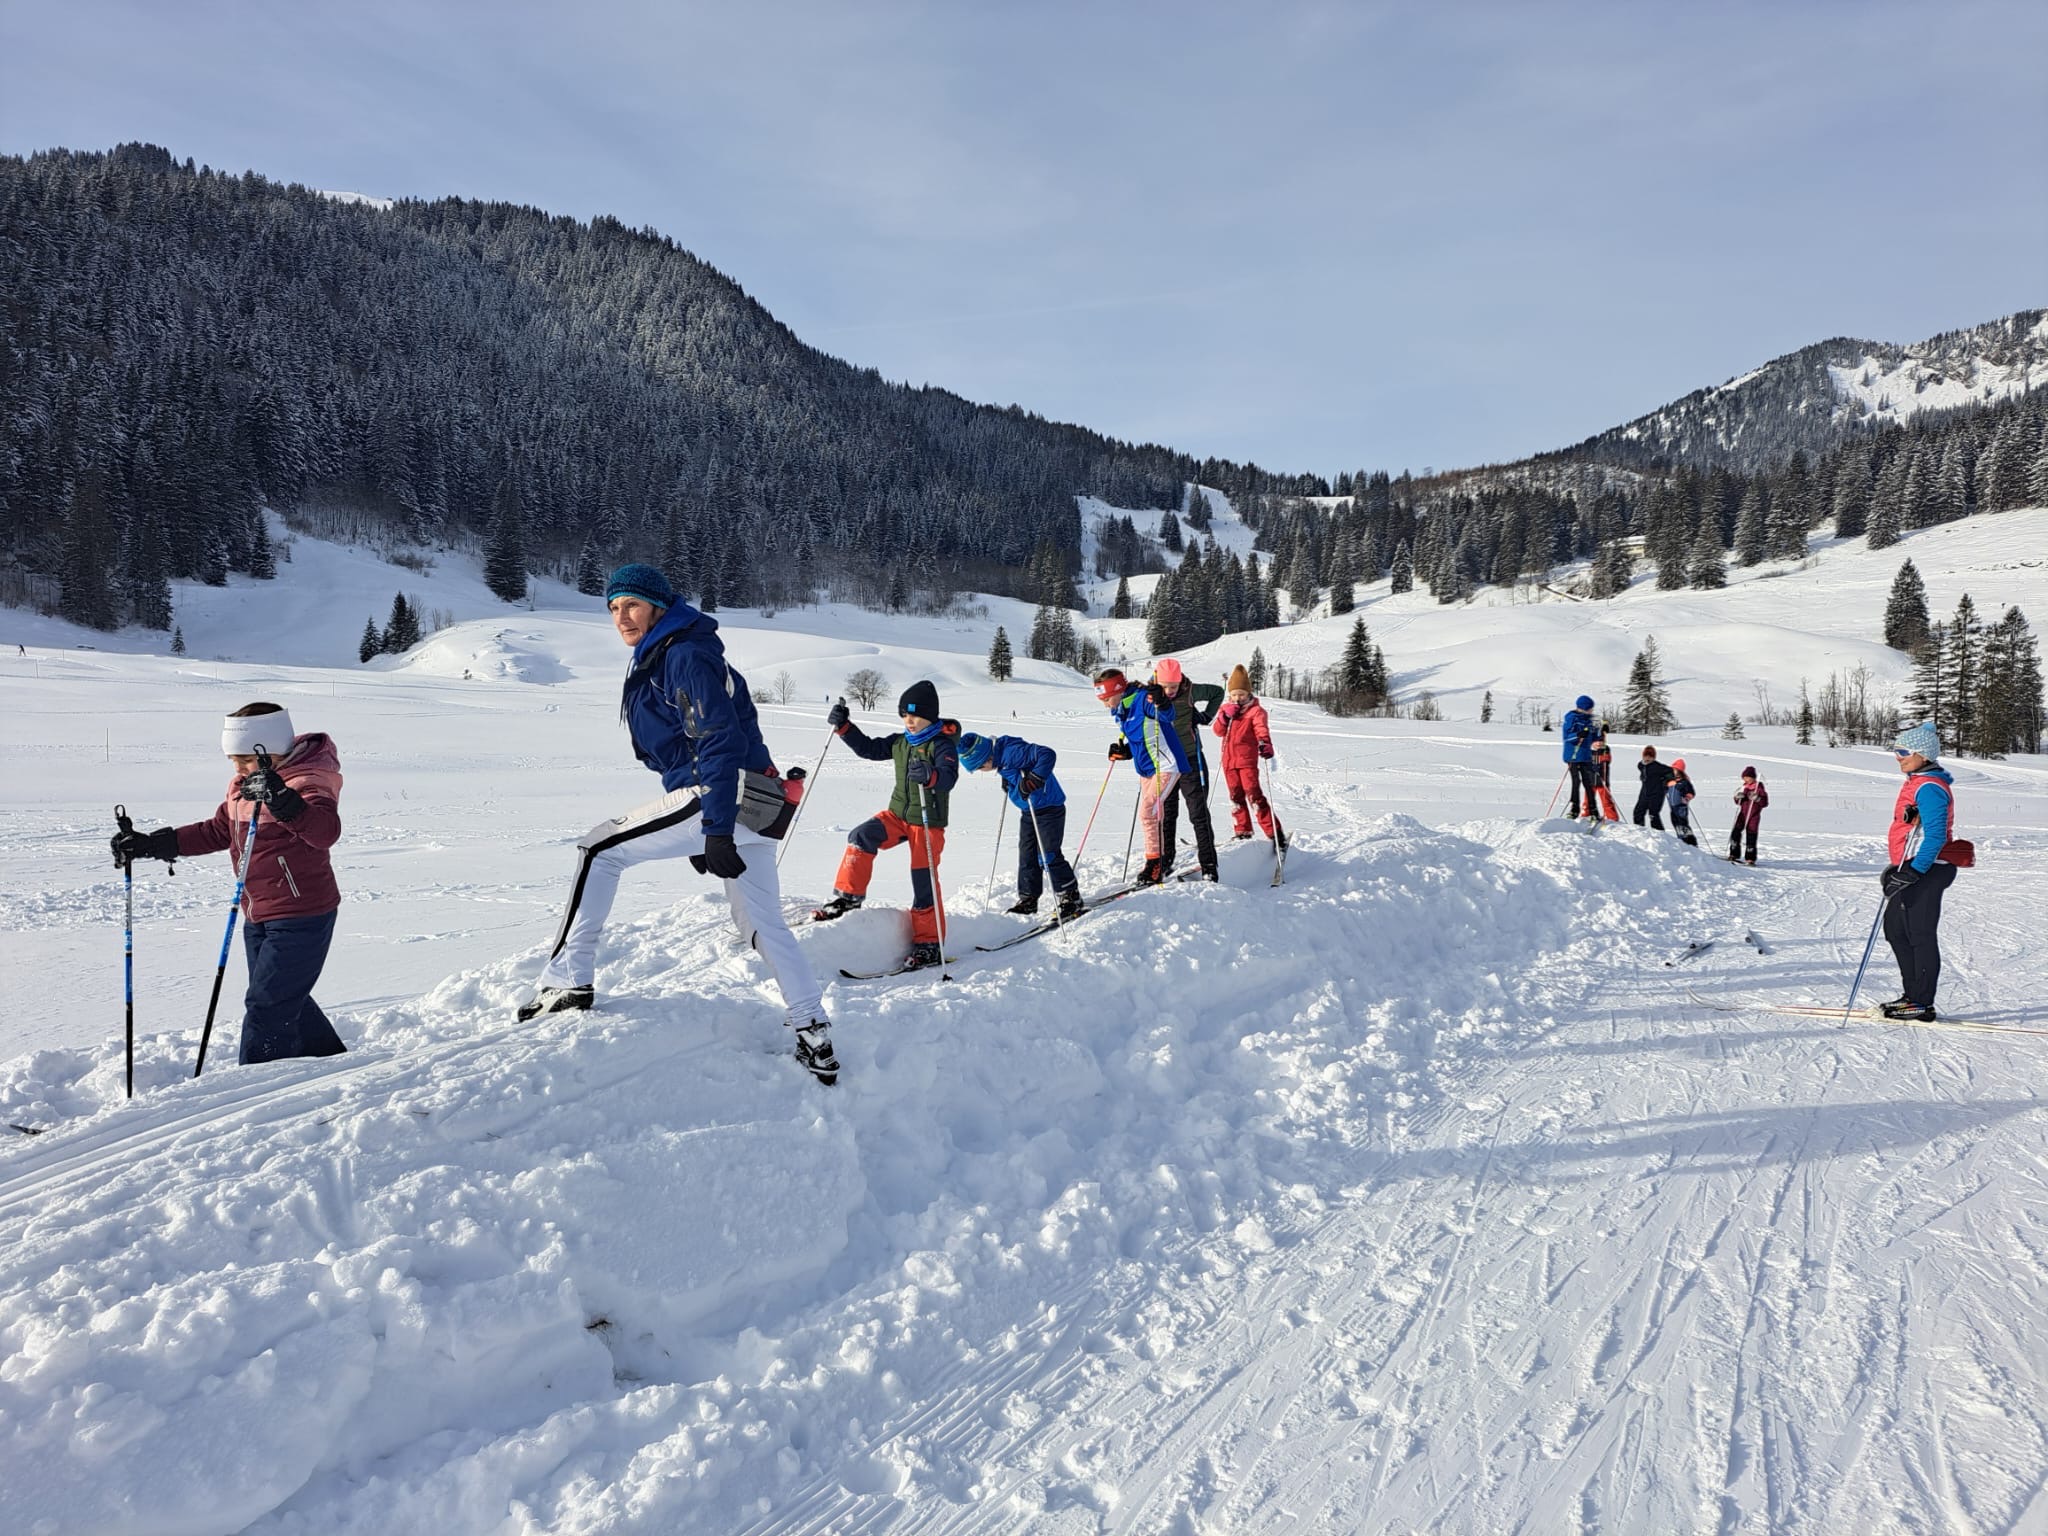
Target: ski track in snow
(1415, 1195)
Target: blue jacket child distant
(1678, 795)
(1025, 769)
(1581, 730)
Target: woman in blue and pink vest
(1923, 824)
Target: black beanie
(920, 699)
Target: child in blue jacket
(1152, 744)
(1678, 795)
(1025, 769)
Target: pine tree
(590, 574)
(1120, 608)
(262, 557)
(1707, 570)
(1404, 570)
(1000, 665)
(1169, 532)
(1732, 731)
(1965, 662)
(1750, 540)
(83, 587)
(1646, 707)
(1255, 670)
(372, 642)
(505, 550)
(1486, 708)
(1927, 694)
(403, 632)
(1355, 672)
(1805, 732)
(1162, 618)
(178, 639)
(1905, 611)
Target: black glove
(1031, 784)
(268, 790)
(1897, 877)
(838, 716)
(721, 858)
(1157, 695)
(131, 845)
(918, 770)
(1119, 751)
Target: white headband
(241, 735)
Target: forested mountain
(1825, 394)
(179, 347)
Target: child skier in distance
(1191, 705)
(1153, 747)
(1247, 740)
(927, 757)
(1656, 779)
(1580, 729)
(1678, 795)
(1025, 769)
(1603, 777)
(290, 900)
(1750, 801)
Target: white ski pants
(671, 828)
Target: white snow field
(1419, 1194)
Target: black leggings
(1911, 919)
(1585, 776)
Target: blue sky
(1316, 236)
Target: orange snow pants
(886, 830)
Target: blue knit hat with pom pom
(1922, 738)
(974, 751)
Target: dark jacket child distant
(1579, 732)
(1025, 769)
(1247, 742)
(290, 899)
(1603, 770)
(1924, 859)
(1656, 779)
(689, 717)
(1152, 746)
(927, 758)
(1678, 795)
(1750, 801)
(1194, 705)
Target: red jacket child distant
(1247, 737)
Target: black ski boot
(923, 956)
(1153, 872)
(556, 1000)
(1071, 906)
(838, 906)
(1025, 908)
(814, 1051)
(1911, 1013)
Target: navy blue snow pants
(1052, 823)
(279, 1017)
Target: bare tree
(866, 687)
(785, 687)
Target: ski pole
(924, 811)
(128, 941)
(1091, 815)
(789, 835)
(234, 911)
(997, 855)
(1136, 805)
(1849, 1008)
(1044, 859)
(1557, 791)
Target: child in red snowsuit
(1246, 739)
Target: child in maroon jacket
(1750, 801)
(290, 898)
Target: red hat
(1110, 685)
(1678, 765)
(1167, 673)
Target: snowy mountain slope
(1811, 398)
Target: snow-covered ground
(1417, 1194)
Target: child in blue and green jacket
(1025, 769)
